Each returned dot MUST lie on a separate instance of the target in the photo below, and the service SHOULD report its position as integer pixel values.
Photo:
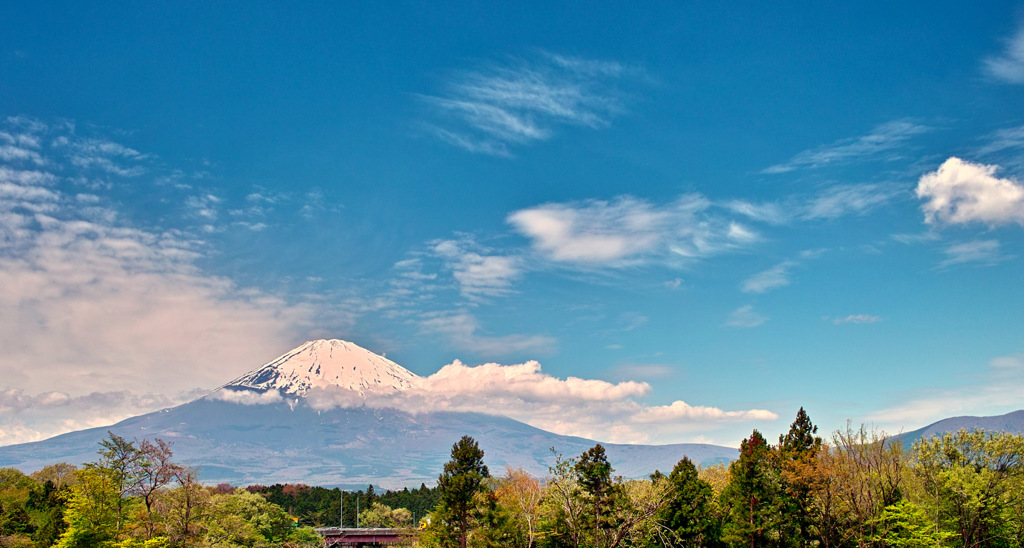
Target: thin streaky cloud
(857, 318)
(978, 252)
(993, 391)
(463, 332)
(831, 202)
(1004, 139)
(478, 273)
(1008, 66)
(492, 109)
(745, 316)
(885, 138)
(772, 278)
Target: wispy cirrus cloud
(831, 202)
(992, 390)
(1004, 139)
(109, 306)
(962, 192)
(745, 316)
(881, 142)
(779, 275)
(478, 275)
(463, 332)
(772, 278)
(500, 106)
(979, 252)
(857, 318)
(1008, 66)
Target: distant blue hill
(1010, 422)
(266, 444)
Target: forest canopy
(858, 488)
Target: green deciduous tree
(905, 525)
(521, 493)
(969, 480)
(94, 512)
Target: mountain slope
(276, 443)
(327, 363)
(288, 440)
(1010, 422)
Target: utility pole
(357, 510)
(341, 524)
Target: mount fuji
(265, 427)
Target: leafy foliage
(961, 490)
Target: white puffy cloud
(627, 230)
(961, 192)
(680, 410)
(247, 397)
(591, 408)
(1008, 66)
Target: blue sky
(746, 208)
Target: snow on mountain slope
(327, 363)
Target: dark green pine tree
(462, 478)
(754, 495)
(797, 451)
(688, 514)
(595, 477)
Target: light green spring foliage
(971, 484)
(380, 515)
(92, 512)
(906, 525)
(962, 490)
(106, 509)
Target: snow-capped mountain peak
(324, 364)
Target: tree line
(135, 496)
(859, 489)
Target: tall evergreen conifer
(687, 512)
(797, 451)
(754, 494)
(462, 478)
